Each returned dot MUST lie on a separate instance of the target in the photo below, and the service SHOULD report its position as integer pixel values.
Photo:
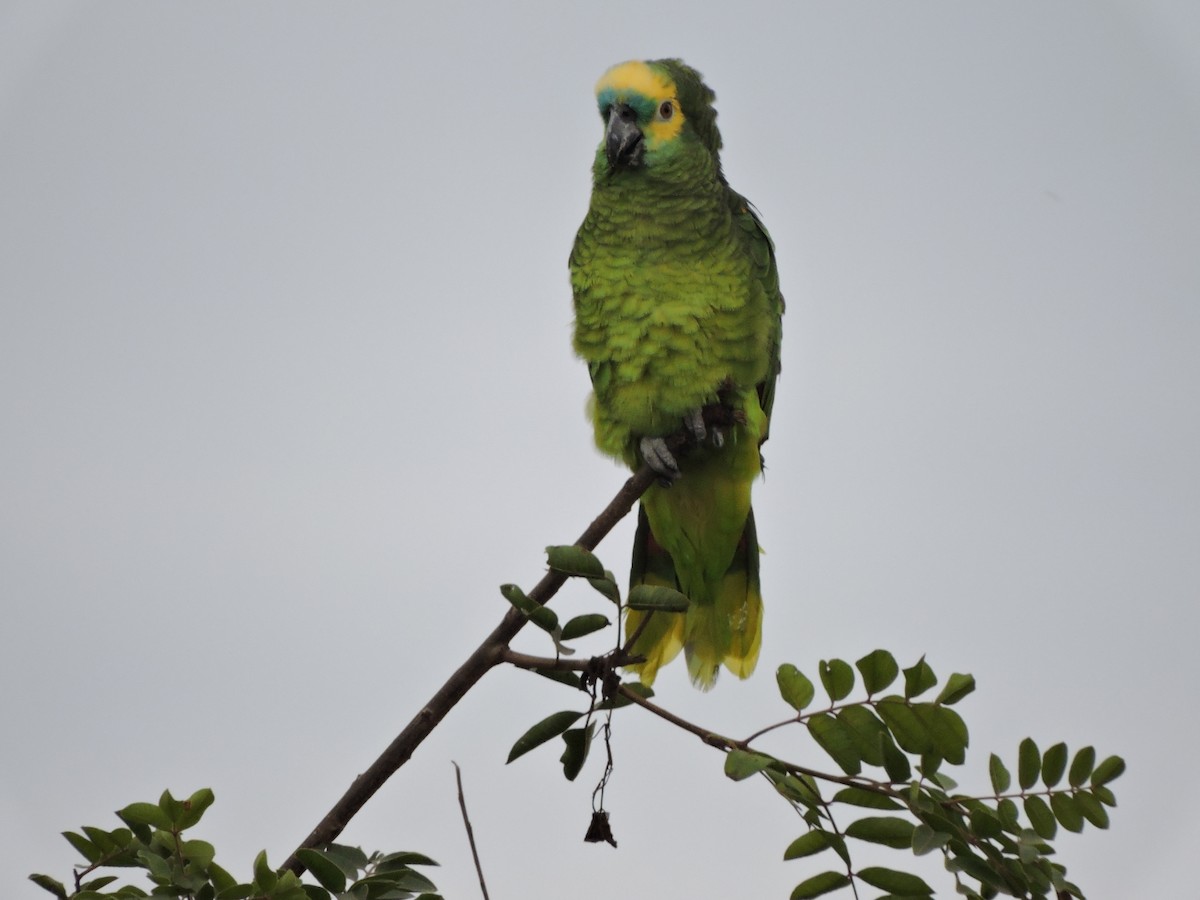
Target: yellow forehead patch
(637, 78)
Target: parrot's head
(654, 112)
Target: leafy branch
(890, 748)
(152, 840)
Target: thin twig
(723, 743)
(559, 664)
(462, 803)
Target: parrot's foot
(659, 457)
(699, 432)
(657, 453)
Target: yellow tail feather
(723, 627)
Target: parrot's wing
(762, 252)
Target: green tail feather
(727, 630)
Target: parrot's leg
(694, 421)
(654, 451)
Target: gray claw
(659, 458)
(694, 421)
(717, 438)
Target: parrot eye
(666, 110)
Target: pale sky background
(286, 392)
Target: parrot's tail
(724, 627)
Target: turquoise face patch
(644, 106)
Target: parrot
(677, 308)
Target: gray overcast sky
(286, 391)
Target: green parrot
(677, 307)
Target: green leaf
(404, 858)
(1054, 764)
(741, 764)
(1001, 779)
(1092, 809)
(918, 679)
(221, 879)
(172, 807)
(49, 884)
(978, 869)
(957, 687)
(1066, 810)
(1029, 764)
(544, 618)
(895, 763)
(893, 881)
(145, 814)
(619, 700)
(865, 729)
(948, 730)
(1030, 845)
(94, 884)
(585, 624)
(574, 755)
(607, 586)
(878, 669)
(868, 799)
(562, 677)
(1104, 795)
(904, 725)
(985, 823)
(837, 677)
(807, 844)
(1082, 766)
(199, 852)
(86, 848)
(926, 840)
(104, 841)
(158, 867)
(396, 880)
(517, 598)
(350, 860)
(1009, 815)
(835, 739)
(888, 830)
(656, 598)
(194, 807)
(264, 876)
(929, 764)
(1040, 817)
(312, 892)
(795, 688)
(550, 727)
(325, 870)
(796, 788)
(572, 560)
(825, 883)
(1109, 770)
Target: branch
(462, 803)
(613, 660)
(723, 743)
(490, 653)
(485, 656)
